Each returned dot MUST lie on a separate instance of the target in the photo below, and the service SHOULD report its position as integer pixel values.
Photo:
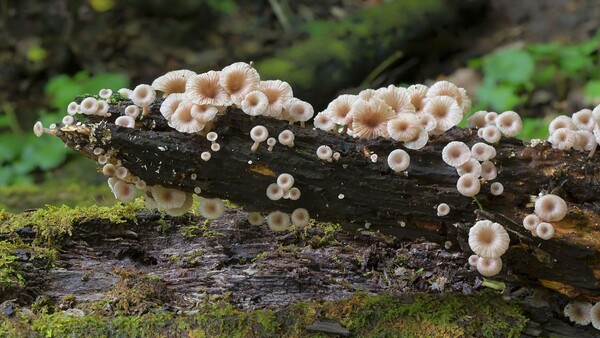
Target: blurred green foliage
(510, 76)
(21, 152)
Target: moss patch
(484, 314)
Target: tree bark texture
(358, 193)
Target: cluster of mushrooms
(192, 103)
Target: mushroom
(68, 120)
(483, 152)
(134, 111)
(212, 208)
(142, 96)
(324, 153)
(278, 221)
(300, 217)
(73, 108)
(294, 194)
(339, 109)
(39, 130)
(109, 169)
(274, 192)
(285, 181)
(89, 106)
(172, 82)
(472, 166)
(544, 230)
(418, 94)
(323, 121)
(255, 103)
(445, 110)
(125, 121)
(496, 188)
(473, 260)
(595, 316)
(271, 142)
(167, 198)
(258, 134)
(300, 111)
(370, 118)
(509, 123)
(239, 79)
(255, 218)
(398, 99)
(123, 191)
(550, 208)
(105, 93)
(205, 89)
(456, 153)
(531, 221)
(286, 138)
(398, 160)
(584, 120)
(477, 120)
(189, 200)
(405, 127)
(578, 312)
(489, 266)
(205, 156)
(278, 93)
(443, 209)
(491, 134)
(488, 239)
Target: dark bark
(398, 205)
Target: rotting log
(357, 193)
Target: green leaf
(10, 147)
(509, 65)
(544, 75)
(498, 97)
(591, 91)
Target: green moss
(365, 316)
(48, 227)
(137, 293)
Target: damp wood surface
(186, 276)
(358, 193)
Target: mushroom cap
(488, 239)
(367, 94)
(544, 230)
(255, 218)
(205, 156)
(239, 79)
(468, 185)
(550, 208)
(274, 192)
(443, 209)
(109, 169)
(167, 198)
(285, 181)
(482, 151)
(134, 111)
(398, 160)
(125, 121)
(456, 153)
(143, 95)
(579, 312)
(472, 166)
(509, 123)
(278, 93)
(189, 200)
(491, 134)
(183, 121)
(323, 121)
(300, 217)
(205, 89)
(370, 118)
(294, 194)
(488, 170)
(278, 221)
(103, 108)
(561, 121)
(596, 114)
(404, 127)
(477, 120)
(105, 93)
(38, 129)
(445, 110)
(419, 142)
(299, 110)
(324, 152)
(489, 266)
(259, 133)
(339, 109)
(124, 191)
(496, 188)
(473, 260)
(584, 120)
(286, 138)
(563, 138)
(531, 221)
(584, 140)
(445, 88)
(212, 136)
(172, 82)
(170, 104)
(204, 113)
(212, 208)
(89, 106)
(121, 172)
(397, 98)
(418, 93)
(490, 118)
(255, 103)
(428, 122)
(595, 316)
(73, 108)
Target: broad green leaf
(509, 65)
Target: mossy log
(359, 193)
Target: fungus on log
(402, 205)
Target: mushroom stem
(255, 146)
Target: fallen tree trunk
(359, 193)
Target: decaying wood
(358, 193)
